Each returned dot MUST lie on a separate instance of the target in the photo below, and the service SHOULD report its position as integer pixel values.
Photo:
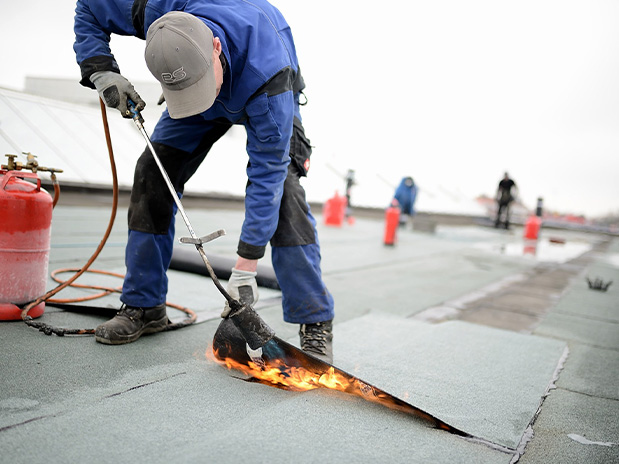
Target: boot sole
(151, 327)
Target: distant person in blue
(219, 64)
(406, 194)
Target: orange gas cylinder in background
(532, 227)
(392, 220)
(25, 229)
(334, 210)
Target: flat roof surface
(465, 322)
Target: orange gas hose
(78, 272)
(29, 306)
(56, 190)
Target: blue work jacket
(260, 88)
(406, 196)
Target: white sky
(451, 92)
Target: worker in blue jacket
(219, 63)
(406, 194)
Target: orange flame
(278, 374)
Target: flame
(279, 374)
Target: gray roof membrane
(161, 399)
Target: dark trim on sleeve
(279, 83)
(285, 80)
(247, 251)
(95, 64)
(137, 17)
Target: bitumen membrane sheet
(457, 370)
(401, 324)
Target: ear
(217, 45)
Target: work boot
(317, 340)
(130, 323)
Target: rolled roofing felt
(184, 258)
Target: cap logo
(174, 76)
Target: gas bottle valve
(31, 164)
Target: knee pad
(151, 204)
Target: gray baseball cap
(179, 53)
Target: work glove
(242, 286)
(115, 90)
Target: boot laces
(133, 314)
(314, 337)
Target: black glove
(115, 90)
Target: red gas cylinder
(334, 210)
(531, 228)
(392, 220)
(25, 228)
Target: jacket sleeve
(92, 40)
(269, 129)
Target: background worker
(504, 197)
(406, 194)
(349, 183)
(219, 64)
